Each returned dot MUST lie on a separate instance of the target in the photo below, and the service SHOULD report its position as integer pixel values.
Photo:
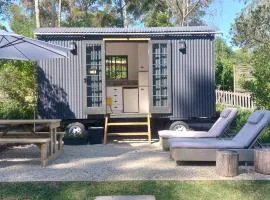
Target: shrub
(15, 110)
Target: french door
(94, 69)
(160, 76)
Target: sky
(222, 15)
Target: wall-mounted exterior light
(182, 45)
(73, 46)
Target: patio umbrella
(18, 47)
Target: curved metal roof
(126, 31)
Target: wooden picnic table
(40, 132)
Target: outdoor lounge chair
(205, 149)
(219, 127)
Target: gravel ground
(111, 162)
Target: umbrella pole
(35, 95)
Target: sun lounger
(219, 127)
(205, 149)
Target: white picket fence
(237, 99)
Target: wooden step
(127, 133)
(128, 115)
(127, 124)
(127, 119)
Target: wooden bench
(42, 133)
(42, 143)
(17, 135)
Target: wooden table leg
(43, 154)
(60, 142)
(51, 144)
(54, 140)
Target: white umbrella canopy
(18, 47)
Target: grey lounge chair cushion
(216, 130)
(250, 131)
(255, 118)
(223, 122)
(211, 143)
(177, 134)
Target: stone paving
(111, 162)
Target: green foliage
(17, 84)
(223, 65)
(251, 30)
(20, 22)
(243, 56)
(252, 27)
(12, 109)
(79, 20)
(151, 13)
(260, 85)
(241, 120)
(157, 19)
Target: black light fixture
(73, 46)
(182, 46)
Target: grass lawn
(162, 190)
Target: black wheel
(75, 129)
(179, 126)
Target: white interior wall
(126, 48)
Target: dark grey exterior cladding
(61, 82)
(193, 77)
(60, 85)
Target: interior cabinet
(115, 97)
(143, 79)
(143, 100)
(143, 64)
(131, 100)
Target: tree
(21, 23)
(252, 26)
(223, 65)
(169, 12)
(260, 85)
(186, 12)
(37, 13)
(251, 30)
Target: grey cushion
(255, 117)
(205, 144)
(251, 131)
(225, 113)
(222, 123)
(187, 134)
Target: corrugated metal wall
(193, 78)
(61, 81)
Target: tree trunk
(262, 161)
(59, 12)
(125, 14)
(121, 12)
(37, 14)
(227, 163)
(70, 7)
(53, 13)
